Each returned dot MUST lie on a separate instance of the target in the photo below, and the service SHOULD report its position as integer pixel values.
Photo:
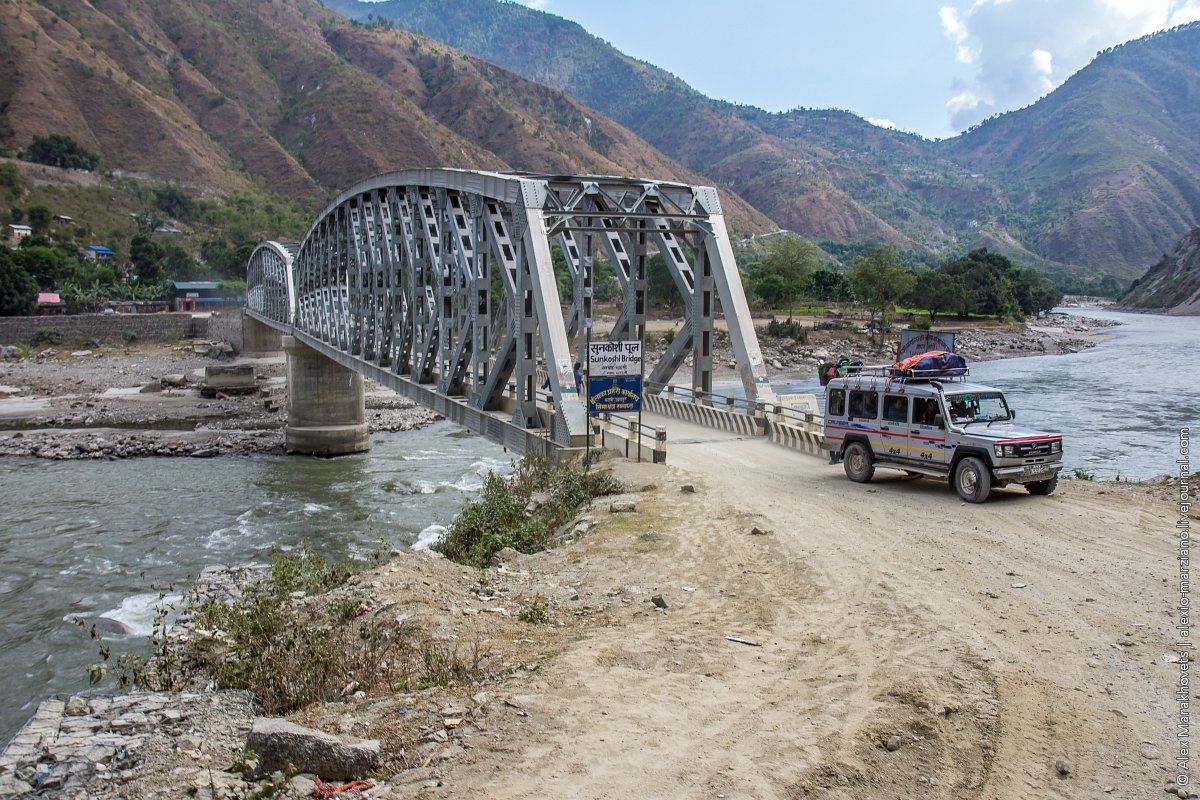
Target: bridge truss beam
(446, 278)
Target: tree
(146, 255)
(225, 261)
(936, 291)
(661, 290)
(18, 289)
(177, 263)
(829, 286)
(11, 179)
(146, 221)
(174, 202)
(60, 151)
(1033, 292)
(46, 265)
(783, 274)
(879, 281)
(987, 280)
(39, 218)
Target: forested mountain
(1097, 178)
(1173, 284)
(217, 94)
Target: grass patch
(507, 514)
(292, 648)
(648, 540)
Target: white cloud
(1042, 65)
(539, 5)
(1022, 49)
(882, 122)
(956, 32)
(963, 102)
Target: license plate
(1037, 472)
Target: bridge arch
(441, 283)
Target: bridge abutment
(258, 337)
(326, 404)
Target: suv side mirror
(938, 421)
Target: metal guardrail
(780, 421)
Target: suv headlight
(1056, 446)
(1006, 451)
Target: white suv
(939, 428)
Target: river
(88, 538)
(95, 538)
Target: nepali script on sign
(613, 359)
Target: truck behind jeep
(938, 426)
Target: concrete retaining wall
(103, 327)
(226, 326)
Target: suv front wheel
(859, 464)
(1042, 487)
(972, 480)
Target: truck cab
(939, 427)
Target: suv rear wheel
(1042, 487)
(858, 461)
(972, 480)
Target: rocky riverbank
(146, 401)
(831, 339)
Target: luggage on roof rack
(930, 366)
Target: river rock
(278, 743)
(108, 625)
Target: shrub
(536, 611)
(504, 517)
(49, 335)
(788, 329)
(129, 337)
(919, 325)
(291, 649)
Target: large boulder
(278, 743)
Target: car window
(978, 407)
(925, 412)
(864, 404)
(895, 408)
(837, 403)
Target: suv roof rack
(892, 372)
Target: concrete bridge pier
(258, 337)
(326, 404)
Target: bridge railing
(790, 420)
(628, 435)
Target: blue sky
(925, 66)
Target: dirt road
(909, 645)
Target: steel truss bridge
(441, 284)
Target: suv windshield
(977, 407)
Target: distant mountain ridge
(219, 94)
(1094, 178)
